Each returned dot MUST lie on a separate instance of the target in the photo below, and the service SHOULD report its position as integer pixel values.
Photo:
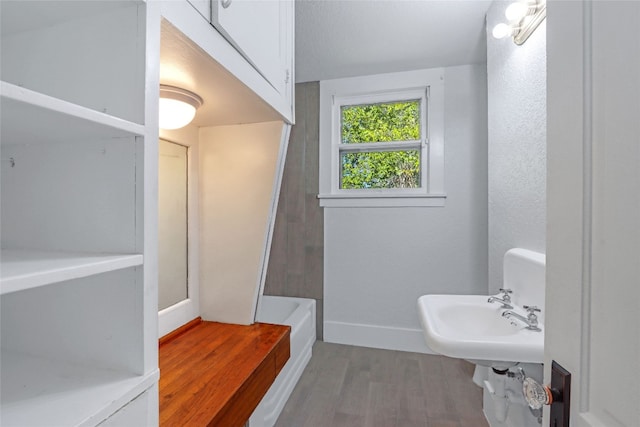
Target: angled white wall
(517, 124)
(238, 182)
(378, 261)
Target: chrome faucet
(505, 300)
(531, 320)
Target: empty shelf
(20, 269)
(32, 117)
(37, 391)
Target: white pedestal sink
(469, 327)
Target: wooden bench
(215, 374)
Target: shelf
(37, 391)
(32, 117)
(21, 270)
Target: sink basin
(468, 327)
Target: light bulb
(501, 31)
(516, 11)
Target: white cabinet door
(203, 7)
(593, 248)
(259, 30)
(141, 411)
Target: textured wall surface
(295, 263)
(517, 122)
(516, 83)
(378, 261)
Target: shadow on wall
(296, 259)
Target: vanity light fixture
(177, 107)
(524, 16)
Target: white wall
(516, 84)
(378, 261)
(238, 166)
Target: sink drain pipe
(503, 397)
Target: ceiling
(342, 38)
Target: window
(381, 140)
(380, 143)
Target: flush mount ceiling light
(524, 16)
(177, 107)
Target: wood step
(215, 374)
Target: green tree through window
(383, 167)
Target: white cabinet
(78, 326)
(262, 31)
(251, 39)
(78, 209)
(142, 411)
(203, 7)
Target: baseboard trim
(389, 338)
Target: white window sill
(381, 200)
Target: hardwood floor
(346, 386)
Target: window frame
(425, 85)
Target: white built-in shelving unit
(26, 269)
(78, 325)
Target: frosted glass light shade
(175, 114)
(177, 107)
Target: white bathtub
(300, 314)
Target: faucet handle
(533, 319)
(505, 294)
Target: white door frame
(593, 243)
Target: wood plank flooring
(347, 386)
